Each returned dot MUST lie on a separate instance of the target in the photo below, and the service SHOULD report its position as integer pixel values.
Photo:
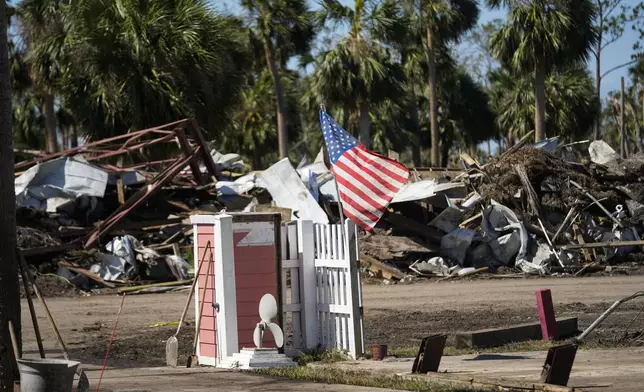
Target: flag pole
(337, 190)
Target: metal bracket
(429, 354)
(215, 306)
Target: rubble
(113, 213)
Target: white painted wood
(196, 261)
(328, 284)
(203, 219)
(294, 263)
(292, 308)
(295, 285)
(226, 294)
(308, 287)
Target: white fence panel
(321, 289)
(339, 299)
(290, 275)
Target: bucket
(379, 351)
(46, 375)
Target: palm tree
(541, 35)
(43, 36)
(135, 64)
(9, 291)
(358, 73)
(285, 28)
(442, 21)
(571, 106)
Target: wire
(109, 347)
(629, 325)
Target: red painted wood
(547, 315)
(255, 275)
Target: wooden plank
(611, 244)
(580, 239)
(162, 284)
(378, 266)
(85, 272)
(46, 250)
(495, 337)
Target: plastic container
(47, 375)
(379, 351)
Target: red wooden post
(547, 315)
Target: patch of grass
(325, 356)
(364, 379)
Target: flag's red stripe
(367, 155)
(356, 176)
(370, 172)
(358, 208)
(365, 198)
(359, 221)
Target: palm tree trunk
(540, 102)
(445, 147)
(73, 136)
(365, 124)
(433, 105)
(64, 132)
(598, 85)
(282, 128)
(489, 148)
(509, 140)
(9, 290)
(415, 124)
(50, 123)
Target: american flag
(367, 182)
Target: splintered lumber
(520, 144)
(379, 267)
(533, 198)
(147, 286)
(600, 205)
(580, 240)
(610, 244)
(85, 272)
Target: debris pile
(115, 212)
(531, 211)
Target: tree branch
(612, 8)
(611, 41)
(618, 67)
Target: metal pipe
(610, 310)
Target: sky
(614, 55)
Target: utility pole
(622, 128)
(9, 290)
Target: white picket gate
(323, 302)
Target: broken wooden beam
(609, 244)
(533, 198)
(147, 286)
(377, 266)
(85, 272)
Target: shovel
(172, 345)
(193, 358)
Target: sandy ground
(398, 315)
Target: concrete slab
(605, 370)
(202, 380)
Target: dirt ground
(398, 315)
